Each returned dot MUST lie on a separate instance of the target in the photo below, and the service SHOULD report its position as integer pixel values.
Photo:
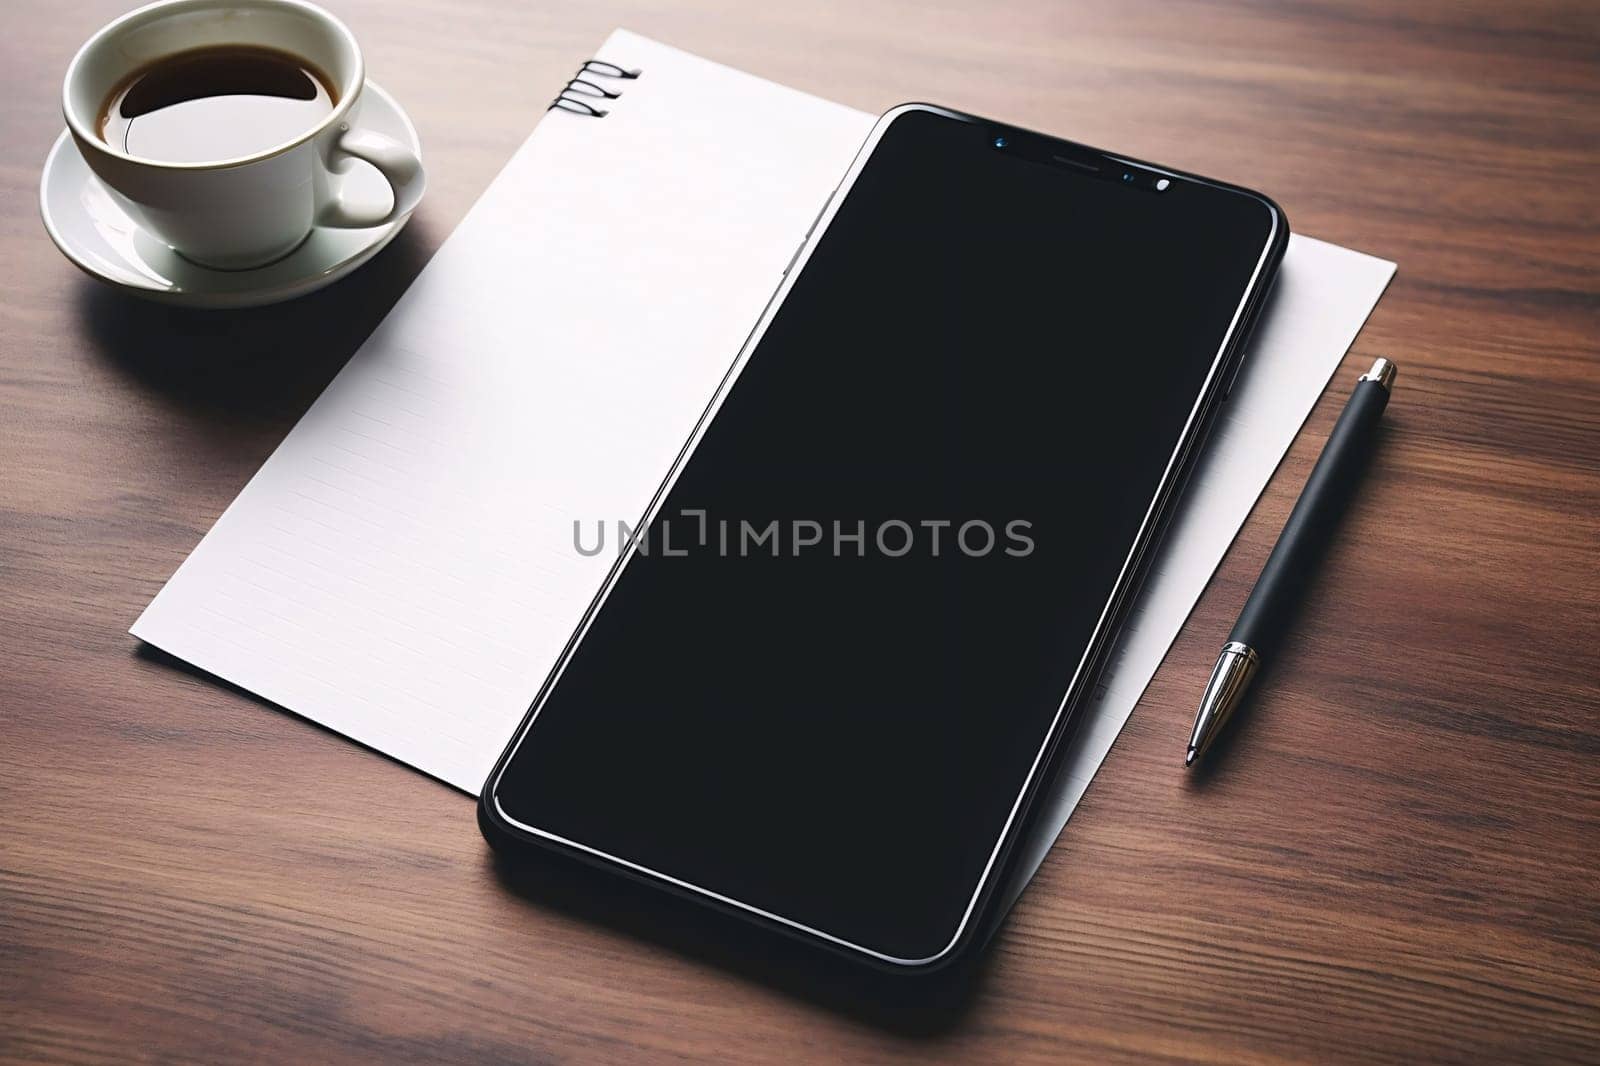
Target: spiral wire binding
(577, 95)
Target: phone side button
(1234, 380)
(820, 213)
(797, 250)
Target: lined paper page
(402, 568)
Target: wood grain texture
(1397, 860)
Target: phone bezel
(1223, 365)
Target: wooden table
(1399, 860)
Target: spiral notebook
(403, 569)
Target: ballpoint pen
(1278, 590)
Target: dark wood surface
(1397, 859)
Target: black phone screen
(820, 688)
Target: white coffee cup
(238, 213)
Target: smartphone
(823, 686)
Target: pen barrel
(1305, 538)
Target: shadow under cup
(228, 213)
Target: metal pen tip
(1383, 372)
(1188, 760)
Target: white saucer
(97, 235)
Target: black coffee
(213, 104)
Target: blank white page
(1319, 302)
(402, 568)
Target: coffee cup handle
(399, 166)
